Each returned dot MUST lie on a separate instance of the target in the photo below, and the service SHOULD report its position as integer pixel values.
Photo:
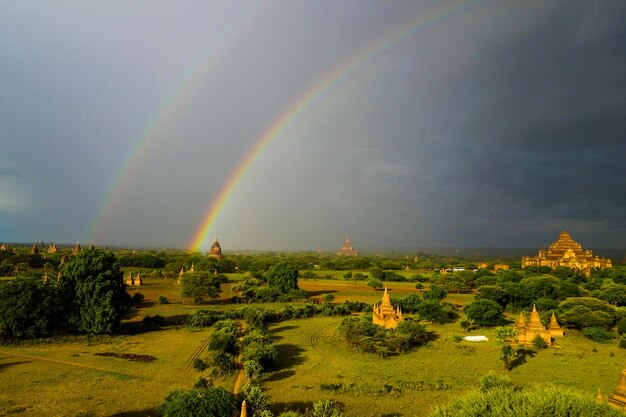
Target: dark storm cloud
(545, 134)
(9, 172)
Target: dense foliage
(209, 402)
(201, 285)
(89, 298)
(362, 334)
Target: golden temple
(567, 252)
(528, 331)
(347, 249)
(618, 398)
(385, 315)
(216, 250)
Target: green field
(64, 377)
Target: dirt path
(80, 365)
(196, 353)
(241, 374)
(315, 343)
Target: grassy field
(313, 354)
(66, 378)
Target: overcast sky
(491, 123)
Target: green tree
(200, 285)
(436, 293)
(484, 312)
(209, 402)
(256, 399)
(96, 284)
(283, 277)
(28, 309)
(375, 283)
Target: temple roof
(347, 248)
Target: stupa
(385, 315)
(34, 250)
(347, 249)
(77, 248)
(528, 331)
(52, 248)
(216, 250)
(618, 398)
(567, 252)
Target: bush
(256, 399)
(162, 299)
(375, 283)
(622, 342)
(210, 402)
(199, 365)
(203, 318)
(539, 400)
(325, 408)
(539, 343)
(137, 298)
(491, 381)
(598, 334)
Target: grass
(64, 377)
(312, 354)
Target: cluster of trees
(278, 284)
(430, 306)
(217, 402)
(362, 334)
(89, 298)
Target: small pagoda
(34, 250)
(567, 252)
(77, 248)
(52, 248)
(347, 249)
(385, 315)
(216, 250)
(618, 398)
(528, 331)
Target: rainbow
(167, 112)
(313, 94)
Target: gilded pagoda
(347, 249)
(528, 331)
(567, 252)
(385, 314)
(618, 398)
(216, 250)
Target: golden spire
(534, 319)
(599, 397)
(553, 322)
(244, 409)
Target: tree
(283, 277)
(505, 337)
(200, 285)
(95, 283)
(436, 293)
(484, 312)
(28, 309)
(494, 293)
(209, 402)
(256, 399)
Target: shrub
(199, 365)
(137, 298)
(210, 402)
(491, 381)
(622, 342)
(203, 318)
(507, 401)
(598, 334)
(256, 399)
(539, 343)
(375, 283)
(162, 299)
(325, 408)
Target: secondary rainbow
(171, 106)
(314, 93)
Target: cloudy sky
(401, 123)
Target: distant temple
(385, 315)
(77, 248)
(347, 249)
(134, 280)
(52, 248)
(216, 250)
(567, 252)
(34, 250)
(4, 247)
(528, 331)
(618, 399)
